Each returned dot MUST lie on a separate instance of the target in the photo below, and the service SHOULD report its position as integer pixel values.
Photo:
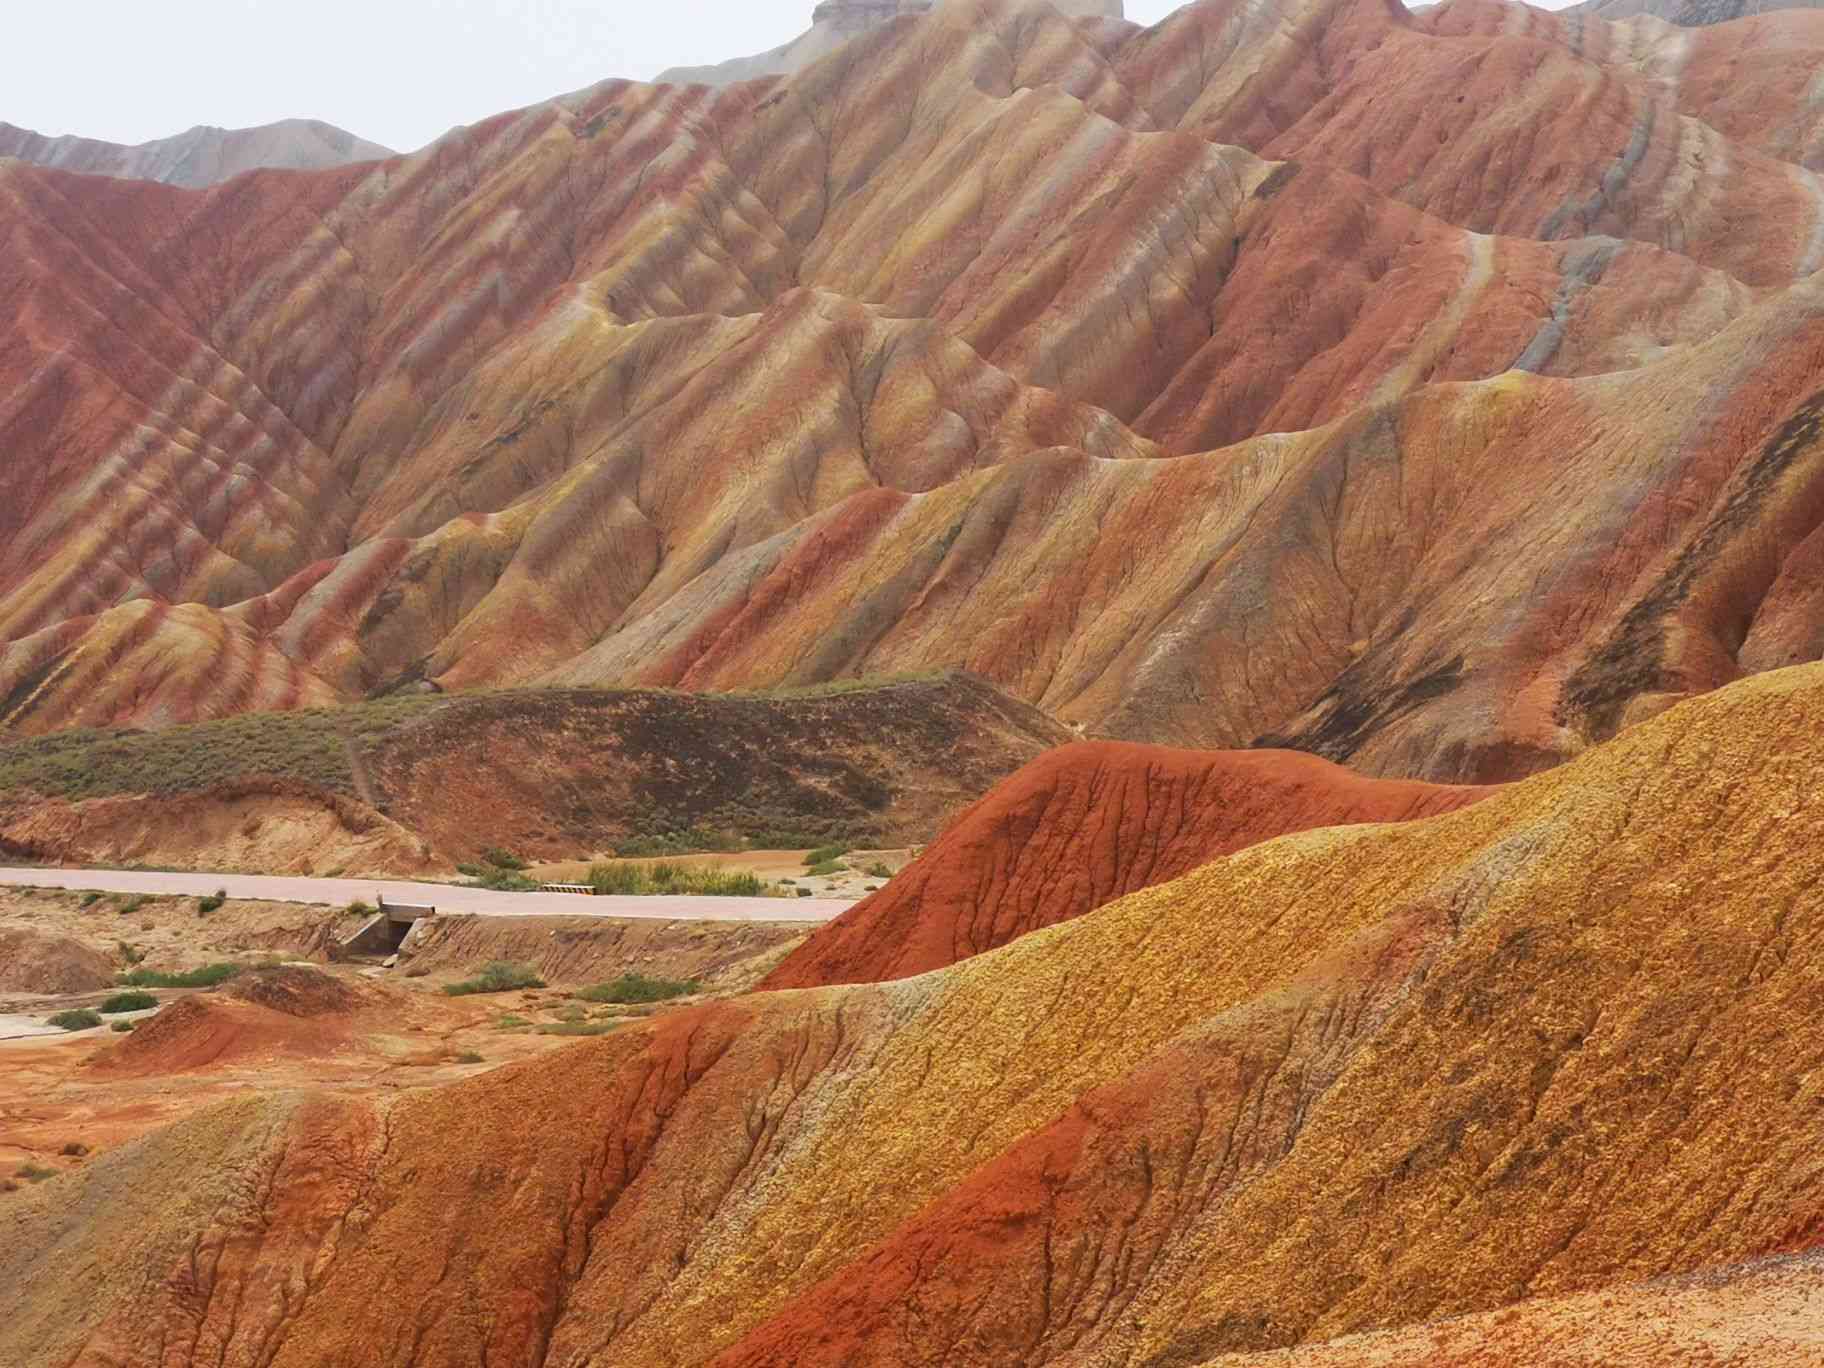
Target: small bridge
(383, 933)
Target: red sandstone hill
(1079, 827)
(1433, 393)
(1525, 1056)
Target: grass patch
(667, 878)
(496, 878)
(826, 869)
(638, 988)
(81, 1019)
(33, 1173)
(209, 976)
(498, 977)
(578, 1028)
(510, 1022)
(128, 1002)
(826, 854)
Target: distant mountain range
(202, 156)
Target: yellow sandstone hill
(1351, 1080)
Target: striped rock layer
(1540, 1050)
(1079, 827)
(1437, 393)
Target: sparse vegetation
(90, 899)
(636, 987)
(499, 977)
(132, 905)
(74, 1150)
(78, 1019)
(878, 870)
(511, 1023)
(496, 878)
(469, 1057)
(132, 954)
(696, 840)
(304, 745)
(120, 1027)
(826, 869)
(34, 1173)
(502, 859)
(209, 976)
(826, 854)
(204, 906)
(577, 1028)
(128, 1002)
(357, 908)
(668, 878)
(571, 1012)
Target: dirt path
(445, 897)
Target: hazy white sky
(397, 71)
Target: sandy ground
(445, 897)
(51, 1096)
(55, 1095)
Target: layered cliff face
(1255, 377)
(1690, 13)
(199, 157)
(1351, 1080)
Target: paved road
(445, 897)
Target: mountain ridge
(198, 157)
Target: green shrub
(825, 869)
(128, 1002)
(578, 1028)
(503, 859)
(79, 1020)
(498, 977)
(497, 879)
(826, 854)
(32, 1173)
(357, 908)
(668, 878)
(878, 870)
(637, 987)
(204, 906)
(90, 899)
(208, 976)
(696, 840)
(121, 1027)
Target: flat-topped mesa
(857, 16)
